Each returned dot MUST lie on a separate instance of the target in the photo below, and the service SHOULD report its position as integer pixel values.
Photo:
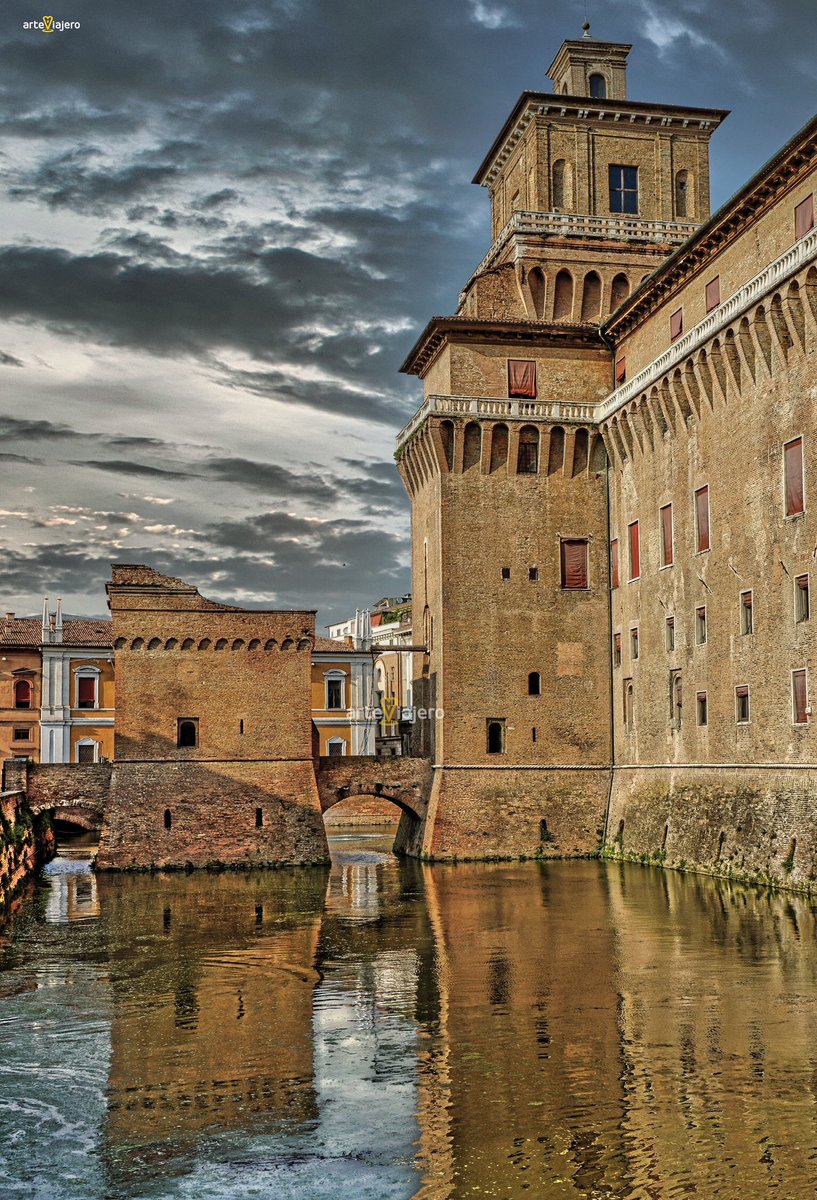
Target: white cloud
(492, 16)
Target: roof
(474, 329)
(81, 632)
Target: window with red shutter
(635, 550)
(521, 378)
(800, 697)
(713, 293)
(86, 692)
(676, 325)
(793, 469)
(621, 369)
(804, 217)
(702, 519)
(614, 568)
(22, 694)
(574, 565)
(666, 536)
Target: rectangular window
(86, 753)
(86, 692)
(629, 706)
(666, 536)
(521, 378)
(634, 538)
(506, 574)
(799, 685)
(747, 613)
(21, 735)
(713, 293)
(575, 574)
(702, 709)
(804, 217)
(702, 540)
(634, 643)
(676, 325)
(742, 705)
(700, 625)
(670, 633)
(621, 370)
(793, 470)
(802, 598)
(533, 574)
(614, 567)
(617, 650)
(624, 190)
(334, 693)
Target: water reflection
(396, 1030)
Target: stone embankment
(26, 841)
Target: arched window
(22, 694)
(629, 708)
(598, 87)
(187, 733)
(496, 737)
(581, 446)
(472, 447)
(683, 196)
(87, 687)
(591, 299)
(536, 283)
(534, 684)
(563, 185)
(335, 689)
(528, 456)
(563, 297)
(619, 291)
(556, 455)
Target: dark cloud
(9, 360)
(123, 466)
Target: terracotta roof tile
(27, 631)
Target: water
(394, 1030)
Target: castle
(612, 465)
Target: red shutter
(800, 697)
(574, 565)
(666, 536)
(621, 370)
(635, 551)
(804, 217)
(676, 324)
(713, 293)
(794, 478)
(521, 378)
(87, 692)
(614, 569)
(702, 517)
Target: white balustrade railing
(495, 408)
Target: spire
(45, 620)
(58, 623)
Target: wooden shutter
(86, 696)
(574, 565)
(666, 536)
(676, 324)
(795, 499)
(702, 518)
(800, 697)
(635, 551)
(621, 369)
(713, 293)
(521, 378)
(614, 567)
(804, 217)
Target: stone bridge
(404, 781)
(72, 792)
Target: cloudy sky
(223, 225)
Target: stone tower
(507, 472)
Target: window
(534, 684)
(495, 730)
(21, 735)
(624, 190)
(614, 568)
(702, 709)
(682, 194)
(799, 687)
(506, 574)
(533, 734)
(713, 293)
(168, 819)
(742, 705)
(669, 634)
(702, 539)
(533, 574)
(336, 747)
(804, 217)
(634, 539)
(793, 471)
(629, 704)
(676, 325)
(621, 369)
(747, 613)
(598, 87)
(634, 643)
(802, 606)
(87, 689)
(86, 751)
(700, 625)
(617, 650)
(521, 378)
(666, 536)
(527, 462)
(675, 699)
(187, 733)
(259, 818)
(22, 694)
(575, 574)
(335, 688)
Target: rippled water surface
(395, 1030)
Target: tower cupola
(590, 68)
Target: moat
(389, 1029)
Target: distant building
(343, 700)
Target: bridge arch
(404, 781)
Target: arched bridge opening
(402, 781)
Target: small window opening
(802, 708)
(670, 633)
(598, 87)
(634, 644)
(241, 727)
(506, 574)
(533, 574)
(496, 737)
(700, 625)
(534, 734)
(259, 818)
(742, 705)
(187, 735)
(168, 818)
(534, 684)
(617, 650)
(747, 613)
(802, 605)
(702, 708)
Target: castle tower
(507, 472)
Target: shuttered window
(802, 605)
(86, 692)
(676, 325)
(617, 650)
(799, 682)
(742, 705)
(670, 633)
(804, 217)
(634, 644)
(574, 565)
(521, 378)
(621, 370)
(703, 709)
(747, 613)
(702, 519)
(713, 293)
(793, 468)
(614, 567)
(635, 550)
(666, 536)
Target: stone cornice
(800, 255)
(442, 329)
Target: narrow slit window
(676, 325)
(496, 736)
(259, 818)
(747, 612)
(666, 536)
(802, 711)
(670, 633)
(617, 650)
(702, 530)
(614, 567)
(742, 704)
(713, 294)
(802, 598)
(634, 643)
(702, 708)
(793, 469)
(506, 574)
(700, 625)
(675, 699)
(634, 537)
(534, 684)
(629, 704)
(804, 217)
(575, 573)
